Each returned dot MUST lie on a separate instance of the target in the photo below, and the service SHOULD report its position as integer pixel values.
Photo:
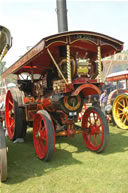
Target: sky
(29, 21)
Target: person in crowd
(95, 101)
(103, 100)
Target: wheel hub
(94, 130)
(125, 111)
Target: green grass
(73, 169)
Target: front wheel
(96, 130)
(43, 135)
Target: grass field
(73, 169)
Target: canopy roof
(123, 75)
(81, 42)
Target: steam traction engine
(5, 44)
(53, 80)
(118, 99)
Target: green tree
(125, 52)
(10, 78)
(2, 67)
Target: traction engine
(54, 79)
(118, 99)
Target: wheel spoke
(43, 145)
(11, 103)
(100, 137)
(120, 113)
(120, 109)
(126, 101)
(89, 120)
(125, 120)
(95, 140)
(123, 102)
(122, 117)
(120, 104)
(98, 123)
(12, 124)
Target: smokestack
(62, 15)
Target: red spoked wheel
(10, 114)
(14, 116)
(14, 119)
(43, 135)
(96, 130)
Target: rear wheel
(120, 111)
(3, 155)
(15, 122)
(43, 135)
(3, 164)
(111, 97)
(96, 130)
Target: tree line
(10, 78)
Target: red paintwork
(87, 89)
(28, 99)
(47, 103)
(69, 88)
(66, 89)
(83, 80)
(31, 109)
(71, 132)
(118, 77)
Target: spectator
(103, 100)
(95, 100)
